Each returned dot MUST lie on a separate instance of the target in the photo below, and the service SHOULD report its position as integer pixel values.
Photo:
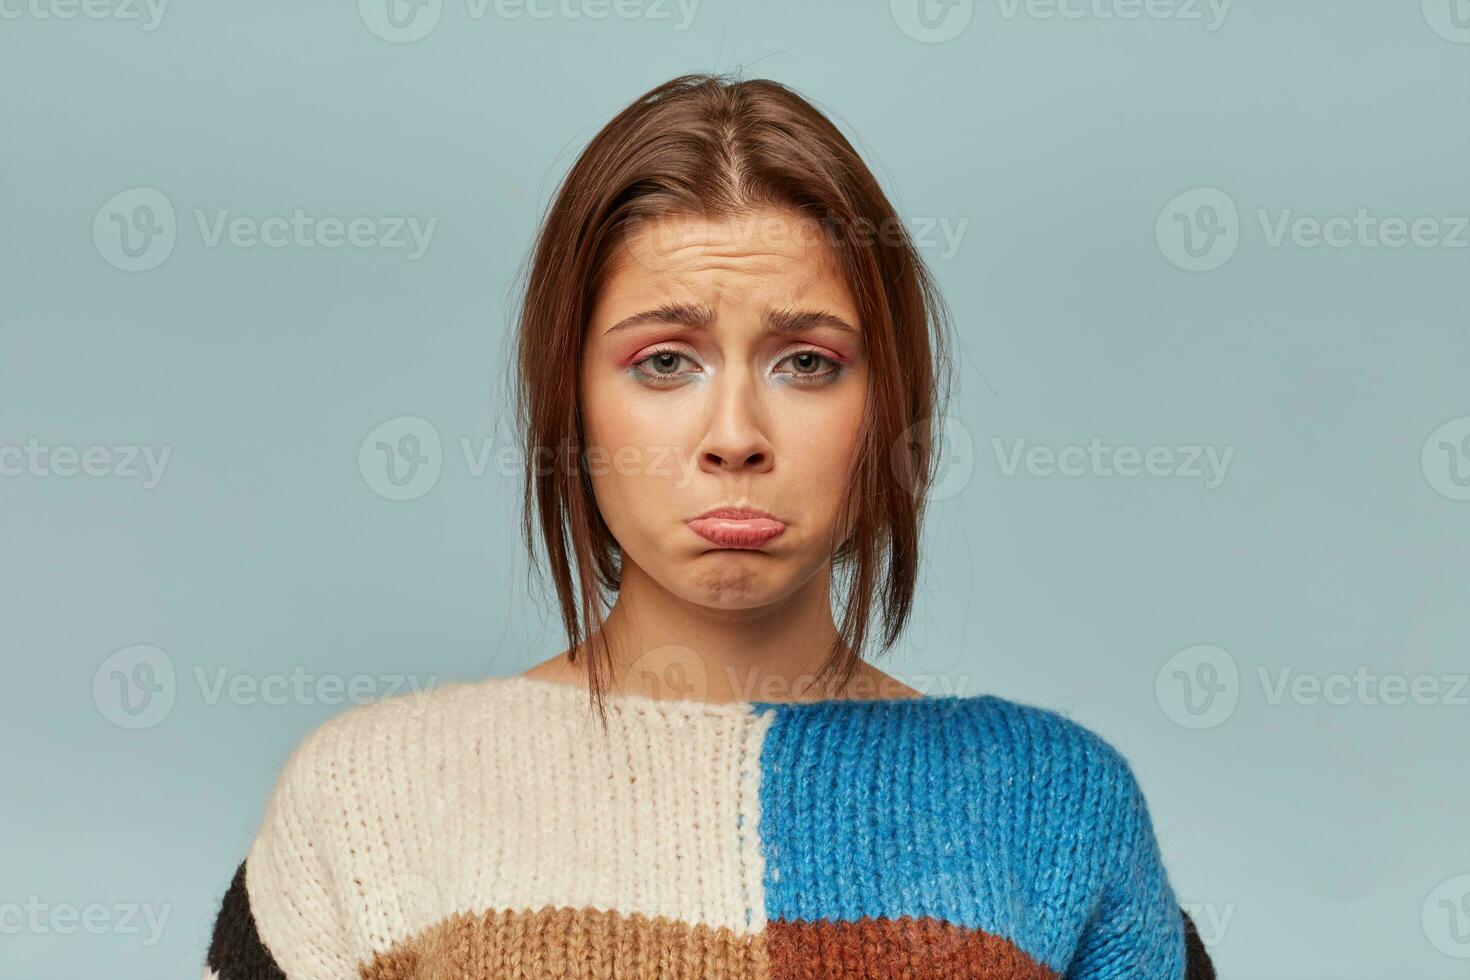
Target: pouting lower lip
(730, 532)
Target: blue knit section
(978, 811)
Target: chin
(734, 579)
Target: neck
(661, 645)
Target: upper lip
(736, 513)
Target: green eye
(662, 369)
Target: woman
(757, 353)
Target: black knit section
(236, 952)
(1197, 965)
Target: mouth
(737, 527)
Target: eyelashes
(668, 358)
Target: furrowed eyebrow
(700, 317)
(682, 314)
(795, 321)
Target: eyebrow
(701, 317)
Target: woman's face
(723, 367)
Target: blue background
(1312, 839)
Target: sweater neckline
(642, 703)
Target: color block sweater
(490, 829)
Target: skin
(733, 412)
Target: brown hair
(718, 146)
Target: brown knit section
(925, 948)
(570, 944)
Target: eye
(663, 366)
(808, 367)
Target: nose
(736, 440)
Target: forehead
(782, 250)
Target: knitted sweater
(488, 829)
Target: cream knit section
(503, 794)
(289, 879)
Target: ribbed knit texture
(489, 830)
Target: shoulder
(378, 739)
(1041, 729)
(336, 802)
(1056, 755)
(1061, 791)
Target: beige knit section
(504, 794)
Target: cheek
(632, 431)
(822, 444)
(610, 417)
(629, 463)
